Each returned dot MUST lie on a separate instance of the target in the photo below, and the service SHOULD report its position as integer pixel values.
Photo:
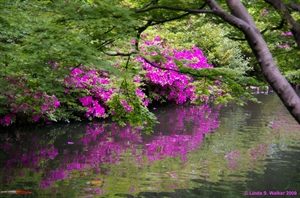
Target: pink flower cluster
(142, 96)
(126, 106)
(285, 46)
(49, 105)
(93, 107)
(95, 82)
(26, 103)
(167, 82)
(6, 120)
(287, 34)
(265, 12)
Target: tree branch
(237, 39)
(172, 19)
(286, 15)
(280, 26)
(190, 10)
(151, 22)
(111, 29)
(175, 18)
(159, 67)
(107, 42)
(169, 69)
(119, 54)
(294, 6)
(239, 11)
(140, 30)
(149, 3)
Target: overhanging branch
(172, 19)
(280, 26)
(294, 6)
(149, 3)
(169, 69)
(175, 18)
(119, 54)
(190, 10)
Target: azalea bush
(153, 75)
(96, 89)
(163, 79)
(28, 104)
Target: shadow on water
(203, 151)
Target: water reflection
(195, 151)
(71, 155)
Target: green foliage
(220, 51)
(293, 76)
(232, 84)
(136, 114)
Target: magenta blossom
(287, 34)
(265, 12)
(126, 106)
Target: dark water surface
(204, 151)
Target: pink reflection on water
(180, 134)
(233, 158)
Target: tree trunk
(241, 19)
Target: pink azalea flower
(132, 42)
(86, 101)
(36, 118)
(56, 103)
(265, 12)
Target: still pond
(196, 151)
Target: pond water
(195, 151)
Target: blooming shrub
(287, 34)
(91, 92)
(26, 103)
(165, 80)
(97, 86)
